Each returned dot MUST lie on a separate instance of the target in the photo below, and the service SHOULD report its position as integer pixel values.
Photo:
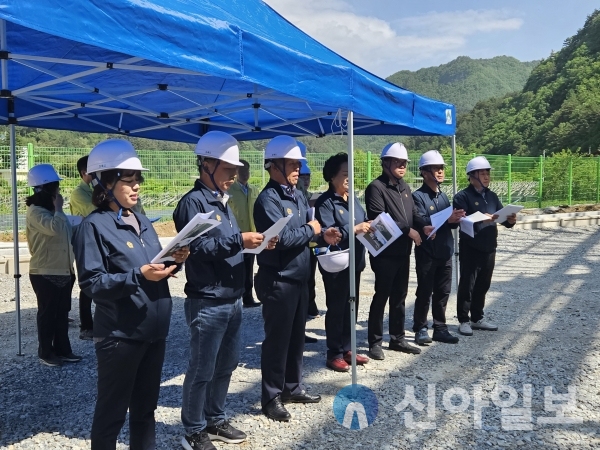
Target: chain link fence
(563, 179)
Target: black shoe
(422, 337)
(444, 336)
(251, 303)
(276, 411)
(310, 340)
(376, 352)
(197, 441)
(70, 358)
(302, 397)
(223, 431)
(405, 347)
(51, 361)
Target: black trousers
(85, 312)
(128, 378)
(337, 319)
(313, 310)
(476, 270)
(434, 278)
(284, 313)
(249, 281)
(391, 282)
(54, 304)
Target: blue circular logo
(355, 407)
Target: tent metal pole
(454, 190)
(17, 275)
(351, 243)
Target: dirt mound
(165, 229)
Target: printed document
(386, 232)
(466, 223)
(438, 219)
(269, 234)
(507, 211)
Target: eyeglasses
(398, 162)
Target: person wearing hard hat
(51, 271)
(282, 278)
(477, 255)
(332, 211)
(215, 274)
(242, 196)
(113, 249)
(434, 256)
(390, 193)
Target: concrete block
(9, 265)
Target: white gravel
(545, 297)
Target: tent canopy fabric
(175, 69)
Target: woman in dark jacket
(332, 211)
(113, 249)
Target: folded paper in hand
(507, 211)
(466, 223)
(386, 232)
(438, 219)
(269, 234)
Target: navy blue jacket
(290, 260)
(486, 234)
(332, 211)
(428, 203)
(215, 267)
(109, 255)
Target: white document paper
(269, 234)
(310, 214)
(466, 223)
(438, 219)
(507, 211)
(199, 225)
(74, 220)
(386, 232)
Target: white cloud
(384, 47)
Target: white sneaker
(465, 329)
(484, 324)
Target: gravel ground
(545, 297)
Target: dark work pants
(128, 378)
(313, 310)
(248, 282)
(85, 312)
(337, 319)
(284, 313)
(54, 304)
(391, 282)
(476, 270)
(434, 278)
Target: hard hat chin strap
(483, 188)
(211, 175)
(387, 163)
(96, 182)
(285, 177)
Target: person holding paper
(332, 211)
(477, 254)
(214, 290)
(390, 193)
(113, 246)
(282, 279)
(434, 256)
(242, 196)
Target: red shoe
(360, 359)
(338, 364)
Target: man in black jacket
(282, 279)
(390, 193)
(477, 255)
(434, 256)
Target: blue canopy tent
(175, 69)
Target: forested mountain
(464, 81)
(558, 108)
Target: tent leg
(352, 245)
(454, 190)
(15, 208)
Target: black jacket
(383, 196)
(215, 267)
(109, 255)
(332, 211)
(429, 202)
(486, 234)
(290, 260)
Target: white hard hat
(395, 150)
(283, 147)
(113, 154)
(431, 158)
(304, 169)
(302, 148)
(42, 174)
(219, 145)
(334, 261)
(478, 163)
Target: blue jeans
(214, 354)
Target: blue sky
(385, 36)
